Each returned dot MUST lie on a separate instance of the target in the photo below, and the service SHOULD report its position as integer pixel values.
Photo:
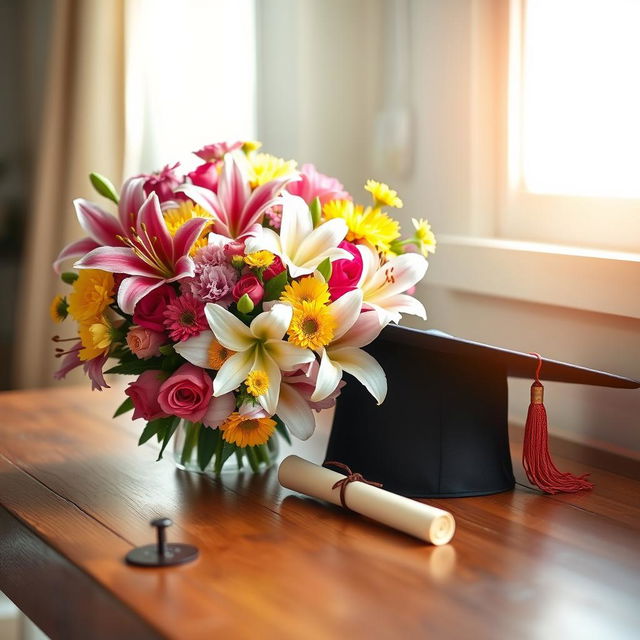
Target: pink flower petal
(131, 200)
(233, 192)
(74, 250)
(209, 202)
(186, 236)
(133, 289)
(116, 260)
(262, 198)
(100, 225)
(151, 225)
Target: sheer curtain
(131, 85)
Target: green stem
(253, 460)
(218, 463)
(190, 440)
(239, 458)
(263, 454)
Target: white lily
(259, 347)
(383, 286)
(355, 330)
(301, 247)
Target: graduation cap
(442, 429)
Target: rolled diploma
(420, 520)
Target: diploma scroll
(420, 520)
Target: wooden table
(77, 495)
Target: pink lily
(104, 229)
(235, 207)
(151, 255)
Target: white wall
(320, 90)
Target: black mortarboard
(442, 429)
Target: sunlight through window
(580, 98)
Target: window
(572, 169)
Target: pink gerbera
(184, 318)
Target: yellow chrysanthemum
(425, 236)
(91, 294)
(307, 289)
(370, 224)
(265, 167)
(245, 431)
(383, 196)
(257, 383)
(59, 309)
(175, 218)
(217, 355)
(259, 259)
(312, 325)
(96, 337)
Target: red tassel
(536, 459)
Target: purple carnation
(213, 283)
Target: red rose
(144, 395)
(149, 311)
(186, 393)
(251, 286)
(275, 268)
(345, 274)
(234, 248)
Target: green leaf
(69, 277)
(207, 442)
(281, 429)
(325, 269)
(125, 407)
(227, 451)
(315, 209)
(167, 349)
(136, 367)
(168, 433)
(104, 186)
(274, 287)
(150, 430)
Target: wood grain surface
(77, 494)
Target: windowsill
(577, 278)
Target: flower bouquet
(237, 294)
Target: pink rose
(144, 395)
(145, 343)
(206, 175)
(149, 312)
(251, 286)
(345, 274)
(186, 393)
(274, 269)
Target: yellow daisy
(425, 236)
(257, 383)
(265, 167)
(245, 431)
(312, 325)
(382, 195)
(59, 309)
(96, 337)
(307, 289)
(217, 355)
(259, 259)
(370, 224)
(91, 294)
(175, 218)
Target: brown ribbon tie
(350, 477)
